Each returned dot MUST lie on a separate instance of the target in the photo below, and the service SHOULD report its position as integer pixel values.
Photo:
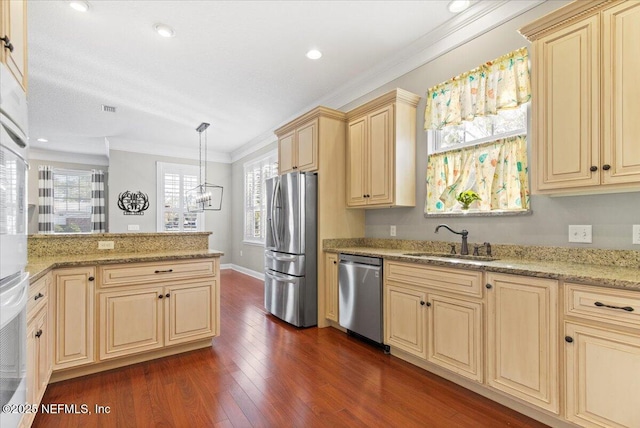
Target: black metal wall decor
(133, 203)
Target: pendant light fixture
(205, 196)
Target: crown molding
(306, 117)
(396, 96)
(564, 15)
(68, 157)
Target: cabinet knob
(593, 168)
(91, 278)
(606, 167)
(423, 303)
(335, 262)
(489, 286)
(428, 304)
(568, 339)
(39, 295)
(167, 295)
(39, 333)
(7, 43)
(160, 296)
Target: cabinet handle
(39, 295)
(489, 286)
(91, 278)
(423, 303)
(164, 271)
(167, 295)
(624, 308)
(39, 333)
(160, 296)
(593, 168)
(7, 43)
(568, 339)
(606, 167)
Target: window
(255, 201)
(174, 180)
(71, 201)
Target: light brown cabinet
(582, 142)
(13, 32)
(298, 149)
(331, 287)
(602, 356)
(381, 146)
(405, 325)
(74, 294)
(522, 325)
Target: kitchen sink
(453, 256)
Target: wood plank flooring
(262, 372)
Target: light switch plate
(392, 231)
(106, 245)
(636, 234)
(580, 233)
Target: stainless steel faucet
(465, 247)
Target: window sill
(254, 243)
(476, 213)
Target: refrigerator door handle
(281, 277)
(275, 224)
(282, 258)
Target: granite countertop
(606, 276)
(39, 266)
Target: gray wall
(252, 255)
(32, 198)
(611, 215)
(137, 171)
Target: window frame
(163, 168)
(69, 172)
(269, 158)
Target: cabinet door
(189, 312)
(74, 314)
(38, 363)
(307, 146)
(621, 150)
(331, 287)
(286, 153)
(405, 319)
(455, 335)
(356, 163)
(566, 107)
(522, 338)
(130, 321)
(14, 26)
(603, 377)
(380, 159)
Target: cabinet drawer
(38, 295)
(613, 306)
(141, 273)
(467, 282)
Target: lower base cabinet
(331, 287)
(405, 319)
(602, 372)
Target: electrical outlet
(636, 234)
(392, 231)
(240, 253)
(580, 233)
(106, 245)
(133, 227)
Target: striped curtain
(97, 201)
(45, 199)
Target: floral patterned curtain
(497, 171)
(499, 84)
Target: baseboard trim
(244, 270)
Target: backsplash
(87, 244)
(591, 256)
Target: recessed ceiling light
(457, 6)
(79, 5)
(42, 140)
(164, 30)
(314, 54)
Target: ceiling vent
(108, 109)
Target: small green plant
(468, 197)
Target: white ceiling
(239, 65)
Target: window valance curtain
(499, 84)
(497, 171)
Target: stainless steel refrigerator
(290, 287)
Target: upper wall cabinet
(298, 140)
(13, 38)
(381, 149)
(585, 98)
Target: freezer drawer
(290, 264)
(290, 298)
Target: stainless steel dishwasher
(360, 302)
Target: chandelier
(205, 196)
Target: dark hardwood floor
(264, 372)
